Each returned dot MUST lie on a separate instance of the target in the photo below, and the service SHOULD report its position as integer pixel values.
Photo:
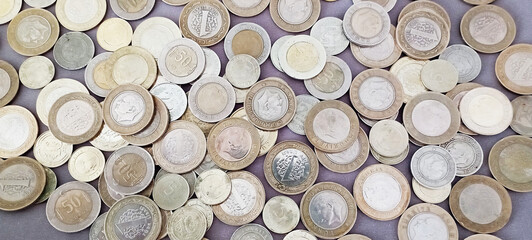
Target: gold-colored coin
(131, 65)
(155, 130)
(349, 160)
(32, 32)
(511, 68)
(382, 55)
(86, 164)
(245, 9)
(430, 221)
(9, 82)
(267, 138)
(18, 128)
(114, 33)
(108, 196)
(510, 161)
(408, 71)
(23, 180)
(456, 95)
(196, 24)
(69, 13)
(292, 17)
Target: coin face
(427, 221)
(253, 231)
(246, 8)
(366, 23)
(480, 204)
(181, 61)
(213, 65)
(467, 154)
(187, 223)
(39, 3)
(73, 50)
(114, 33)
(522, 123)
(155, 130)
(9, 83)
(408, 71)
(50, 151)
(381, 55)
(52, 92)
(32, 32)
(174, 99)
(86, 164)
(132, 10)
(429, 195)
(511, 70)
(304, 104)
(427, 6)
(78, 15)
(129, 170)
(213, 186)
(332, 82)
(433, 167)
(10, 10)
(97, 229)
(154, 33)
(131, 65)
(170, 191)
(73, 207)
(248, 38)
(281, 214)
(509, 161)
(36, 72)
(482, 237)
(201, 97)
(295, 16)
(456, 94)
(465, 60)
(302, 57)
(330, 33)
(267, 138)
(389, 138)
(300, 235)
(242, 71)
(19, 130)
(205, 22)
(23, 180)
(123, 222)
(95, 77)
(439, 75)
(348, 160)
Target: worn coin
(204, 209)
(429, 195)
(386, 4)
(19, 130)
(187, 223)
(522, 119)
(86, 164)
(36, 72)
(512, 66)
(22, 181)
(274, 53)
(95, 78)
(240, 94)
(330, 33)
(205, 22)
(129, 170)
(96, 231)
(426, 221)
(388, 138)
(482, 237)
(211, 99)
(50, 151)
(465, 60)
(372, 122)
(390, 160)
(246, 8)
(213, 187)
(128, 109)
(181, 61)
(108, 140)
(456, 94)
(510, 161)
(408, 71)
(295, 16)
(108, 196)
(32, 32)
(154, 33)
(348, 160)
(433, 167)
(174, 99)
(332, 82)
(381, 55)
(267, 138)
(73, 50)
(155, 130)
(366, 23)
(132, 10)
(39, 3)
(299, 235)
(9, 83)
(251, 231)
(51, 184)
(9, 10)
(467, 154)
(76, 15)
(114, 33)
(304, 104)
(133, 217)
(170, 192)
(302, 57)
(176, 2)
(131, 65)
(486, 111)
(439, 75)
(248, 38)
(242, 71)
(280, 214)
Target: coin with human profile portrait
(366, 23)
(32, 31)
(128, 109)
(433, 167)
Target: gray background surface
(31, 222)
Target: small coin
(302, 57)
(9, 82)
(274, 53)
(36, 72)
(295, 16)
(456, 94)
(86, 164)
(19, 131)
(131, 10)
(466, 152)
(206, 164)
(131, 65)
(251, 231)
(433, 167)
(480, 204)
(427, 6)
(170, 192)
(174, 99)
(522, 119)
(390, 160)
(509, 162)
(78, 15)
(155, 130)
(330, 33)
(267, 138)
(242, 71)
(187, 223)
(486, 111)
(129, 170)
(204, 126)
(248, 38)
(10, 10)
(349, 160)
(181, 61)
(439, 75)
(213, 187)
(154, 33)
(23, 180)
(95, 77)
(324, 200)
(304, 104)
(488, 28)
(73, 50)
(204, 209)
(39, 3)
(133, 217)
(511, 67)
(465, 60)
(246, 8)
(427, 221)
(429, 195)
(211, 99)
(108, 140)
(280, 214)
(389, 138)
(97, 229)
(51, 184)
(354, 236)
(199, 27)
(366, 23)
(482, 237)
(114, 33)
(299, 235)
(23, 37)
(50, 151)
(408, 71)
(291, 167)
(73, 207)
(332, 82)
(381, 55)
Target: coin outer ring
(280, 187)
(267, 43)
(322, 57)
(332, 147)
(74, 185)
(257, 207)
(278, 20)
(218, 129)
(131, 15)
(359, 40)
(417, 172)
(32, 135)
(137, 200)
(290, 112)
(86, 56)
(26, 67)
(311, 88)
(103, 190)
(205, 42)
(390, 60)
(80, 27)
(145, 182)
(40, 179)
(315, 229)
(501, 72)
(17, 5)
(211, 118)
(409, 50)
(158, 132)
(162, 63)
(13, 26)
(246, 12)
(495, 158)
(429, 6)
(468, 38)
(411, 212)
(165, 203)
(454, 204)
(352, 166)
(13, 82)
(399, 66)
(145, 120)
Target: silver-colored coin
(465, 60)
(170, 192)
(333, 82)
(132, 10)
(372, 122)
(173, 97)
(281, 214)
(242, 71)
(10, 11)
(366, 23)
(129, 170)
(387, 4)
(187, 223)
(73, 50)
(433, 167)
(247, 26)
(304, 104)
(213, 65)
(466, 152)
(274, 54)
(181, 61)
(133, 217)
(154, 33)
(203, 208)
(211, 99)
(39, 3)
(330, 33)
(299, 235)
(97, 229)
(207, 164)
(94, 75)
(291, 157)
(522, 120)
(251, 231)
(389, 138)
(191, 178)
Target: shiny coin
(155, 130)
(366, 23)
(246, 8)
(129, 10)
(299, 235)
(133, 217)
(488, 28)
(248, 38)
(170, 192)
(482, 237)
(131, 65)
(510, 160)
(128, 109)
(97, 229)
(429, 195)
(86, 164)
(274, 53)
(281, 214)
(32, 32)
(304, 104)
(433, 167)
(388, 138)
(213, 65)
(291, 167)
(439, 75)
(465, 60)
(330, 33)
(348, 160)
(242, 71)
(181, 61)
(73, 50)
(204, 126)
(9, 83)
(39, 3)
(246, 201)
(114, 33)
(486, 111)
(251, 231)
(213, 187)
(51, 184)
(73, 207)
(480, 204)
(50, 151)
(427, 221)
(129, 170)
(36, 72)
(390, 160)
(295, 16)
(456, 94)
(381, 55)
(267, 138)
(9, 10)
(76, 15)
(95, 77)
(408, 71)
(467, 154)
(324, 200)
(522, 120)
(108, 140)
(23, 180)
(187, 223)
(154, 33)
(511, 68)
(381, 192)
(203, 208)
(332, 82)
(211, 99)
(174, 99)
(19, 130)
(302, 57)
(198, 23)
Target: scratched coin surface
(248, 38)
(426, 221)
(50, 151)
(348, 160)
(80, 15)
(213, 187)
(23, 180)
(19, 131)
(32, 32)
(129, 170)
(510, 160)
(388, 138)
(9, 82)
(133, 217)
(170, 191)
(154, 33)
(280, 214)
(132, 10)
(512, 68)
(295, 16)
(35, 72)
(304, 104)
(330, 33)
(433, 167)
(465, 60)
(205, 22)
(366, 23)
(408, 71)
(332, 82)
(467, 154)
(154, 131)
(86, 164)
(73, 50)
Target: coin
(349, 160)
(86, 164)
(132, 10)
(376, 94)
(354, 236)
(23, 180)
(95, 77)
(295, 16)
(19, 130)
(213, 187)
(155, 130)
(213, 66)
(509, 162)
(486, 111)
(52, 92)
(247, 38)
(129, 170)
(128, 109)
(165, 215)
(304, 104)
(133, 217)
(522, 121)
(108, 196)
(427, 6)
(114, 33)
(480, 204)
(187, 223)
(246, 201)
(388, 138)
(108, 140)
(390, 160)
(332, 82)
(439, 75)
(170, 192)
(73, 207)
(511, 66)
(408, 71)
(251, 231)
(36, 72)
(202, 94)
(274, 53)
(97, 229)
(246, 8)
(131, 65)
(291, 167)
(154, 33)
(10, 10)
(9, 83)
(482, 237)
(465, 60)
(429, 195)
(330, 33)
(381, 55)
(387, 5)
(372, 122)
(50, 151)
(199, 27)
(299, 235)
(328, 210)
(302, 57)
(467, 154)
(181, 61)
(366, 23)
(267, 138)
(204, 126)
(456, 94)
(32, 32)
(51, 184)
(240, 94)
(433, 167)
(78, 15)
(242, 71)
(73, 50)
(381, 192)
(427, 221)
(280, 214)
(488, 28)
(203, 208)
(174, 99)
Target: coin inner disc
(486, 111)
(431, 118)
(382, 192)
(181, 61)
(367, 22)
(131, 68)
(270, 104)
(488, 28)
(516, 163)
(291, 167)
(18, 182)
(422, 33)
(427, 225)
(347, 156)
(330, 79)
(129, 170)
(128, 108)
(233, 143)
(302, 56)
(6, 7)
(295, 11)
(75, 118)
(377, 93)
(518, 68)
(248, 42)
(480, 203)
(179, 146)
(73, 207)
(208, 92)
(205, 21)
(433, 166)
(242, 199)
(33, 31)
(15, 131)
(328, 210)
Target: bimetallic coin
(23, 180)
(51, 184)
(387, 5)
(332, 82)
(302, 57)
(299, 235)
(204, 126)
(86, 164)
(388, 138)
(170, 192)
(35, 72)
(433, 167)
(467, 154)
(274, 53)
(213, 187)
(114, 33)
(129, 170)
(154, 33)
(211, 99)
(131, 65)
(366, 23)
(381, 55)
(32, 32)
(181, 61)
(426, 221)
(510, 160)
(133, 217)
(132, 10)
(267, 138)
(248, 38)
(108, 196)
(304, 104)
(205, 22)
(482, 237)
(128, 109)
(330, 33)
(76, 15)
(426, 6)
(108, 140)
(155, 130)
(73, 207)
(280, 214)
(73, 50)
(408, 71)
(95, 78)
(174, 99)
(204, 209)
(439, 75)
(242, 71)
(348, 160)
(465, 60)
(50, 151)
(97, 229)
(522, 119)
(9, 10)
(295, 16)
(246, 8)
(39, 3)
(187, 223)
(486, 111)
(19, 130)
(512, 66)
(429, 195)
(9, 83)
(251, 231)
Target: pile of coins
(179, 146)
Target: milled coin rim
(211, 118)
(266, 41)
(50, 42)
(113, 22)
(278, 20)
(352, 166)
(500, 65)
(13, 83)
(390, 60)
(32, 134)
(246, 12)
(82, 176)
(411, 212)
(267, 208)
(322, 57)
(494, 161)
(360, 40)
(162, 61)
(40, 178)
(143, 184)
(420, 177)
(311, 88)
(115, 6)
(157, 134)
(80, 27)
(150, 62)
(137, 200)
(205, 42)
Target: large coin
(366, 23)
(132, 10)
(19, 130)
(247, 8)
(465, 60)
(73, 50)
(205, 22)
(295, 16)
(174, 99)
(170, 192)
(510, 160)
(211, 99)
(381, 55)
(267, 138)
(280, 214)
(348, 160)
(213, 186)
(131, 65)
(408, 71)
(181, 61)
(9, 83)
(522, 120)
(429, 195)
(248, 38)
(155, 130)
(426, 221)
(187, 223)
(33, 32)
(154, 33)
(35, 72)
(302, 57)
(512, 67)
(22, 181)
(114, 33)
(251, 231)
(129, 170)
(76, 15)
(133, 217)
(467, 154)
(330, 33)
(388, 138)
(86, 164)
(433, 167)
(332, 82)
(50, 151)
